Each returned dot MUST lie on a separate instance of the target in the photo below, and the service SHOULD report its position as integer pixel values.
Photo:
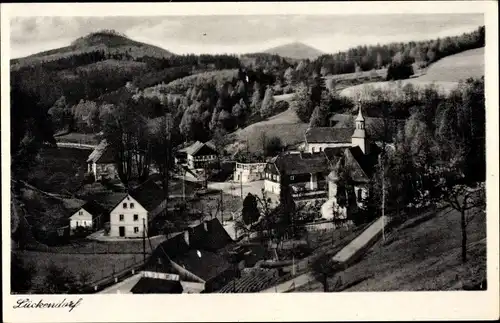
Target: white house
(249, 172)
(91, 215)
(136, 210)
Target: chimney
(186, 236)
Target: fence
(99, 247)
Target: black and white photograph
(235, 154)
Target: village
(140, 171)
(136, 213)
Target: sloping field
(420, 255)
(444, 74)
(285, 125)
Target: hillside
(444, 74)
(109, 42)
(285, 125)
(422, 254)
(295, 51)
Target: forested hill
(366, 58)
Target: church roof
(359, 166)
(328, 135)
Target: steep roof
(328, 135)
(359, 166)
(300, 163)
(149, 195)
(199, 147)
(147, 285)
(204, 255)
(102, 154)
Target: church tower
(359, 136)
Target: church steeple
(359, 136)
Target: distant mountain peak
(296, 50)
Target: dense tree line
(365, 58)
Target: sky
(241, 34)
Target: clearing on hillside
(285, 125)
(421, 254)
(444, 74)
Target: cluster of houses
(128, 217)
(313, 169)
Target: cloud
(237, 34)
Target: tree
(250, 212)
(380, 62)
(466, 198)
(267, 105)
(21, 274)
(220, 141)
(286, 208)
(61, 114)
(256, 101)
(324, 267)
(58, 280)
(319, 117)
(30, 128)
(303, 104)
(273, 146)
(289, 76)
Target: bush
(273, 146)
(107, 228)
(88, 178)
(281, 106)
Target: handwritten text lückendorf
(29, 303)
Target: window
(76, 223)
(313, 150)
(80, 212)
(124, 205)
(121, 217)
(320, 149)
(136, 217)
(292, 177)
(131, 205)
(136, 229)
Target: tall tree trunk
(325, 284)
(464, 236)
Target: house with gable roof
(91, 215)
(101, 162)
(200, 154)
(136, 209)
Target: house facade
(249, 172)
(133, 214)
(91, 216)
(306, 172)
(199, 155)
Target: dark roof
(299, 163)
(102, 154)
(352, 159)
(200, 148)
(212, 244)
(149, 194)
(328, 135)
(94, 208)
(147, 285)
(374, 126)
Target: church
(355, 157)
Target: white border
(267, 307)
